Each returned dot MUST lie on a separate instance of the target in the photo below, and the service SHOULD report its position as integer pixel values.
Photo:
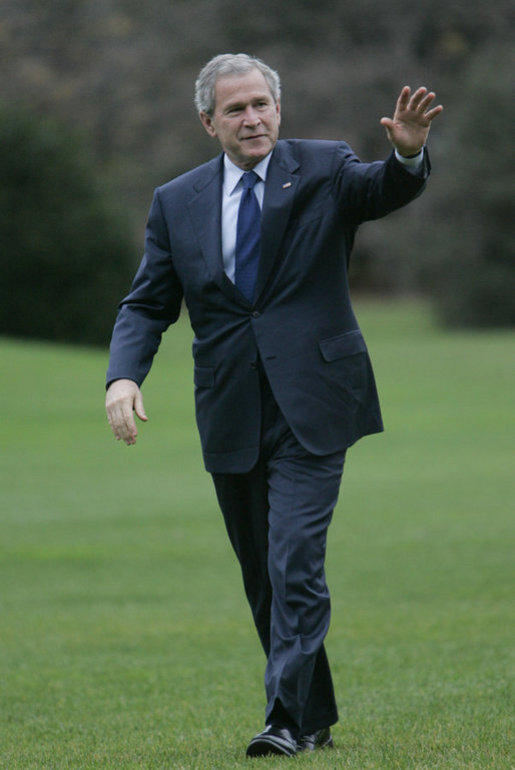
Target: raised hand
(409, 127)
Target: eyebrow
(242, 104)
(234, 106)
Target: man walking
(257, 242)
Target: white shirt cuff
(414, 164)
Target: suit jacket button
(256, 314)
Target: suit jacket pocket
(204, 377)
(342, 345)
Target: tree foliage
(469, 260)
(67, 255)
(123, 72)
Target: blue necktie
(248, 237)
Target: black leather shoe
(320, 740)
(273, 740)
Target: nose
(251, 117)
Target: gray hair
(230, 64)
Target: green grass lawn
(125, 639)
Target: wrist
(411, 155)
(414, 163)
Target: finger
(127, 425)
(387, 123)
(129, 430)
(122, 422)
(426, 101)
(434, 112)
(112, 421)
(139, 408)
(122, 431)
(417, 98)
(389, 126)
(404, 97)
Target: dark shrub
(67, 254)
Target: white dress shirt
(231, 195)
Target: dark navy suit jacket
(301, 323)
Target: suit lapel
(280, 188)
(205, 208)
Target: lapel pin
(288, 184)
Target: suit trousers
(277, 516)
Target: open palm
(409, 127)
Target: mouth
(254, 136)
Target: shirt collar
(233, 174)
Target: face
(246, 118)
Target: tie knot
(249, 179)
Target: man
(257, 242)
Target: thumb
(139, 407)
(389, 125)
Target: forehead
(241, 88)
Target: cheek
(274, 123)
(230, 133)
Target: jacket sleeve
(372, 190)
(153, 303)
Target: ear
(207, 122)
(278, 110)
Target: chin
(258, 154)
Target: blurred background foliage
(108, 84)
(66, 246)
